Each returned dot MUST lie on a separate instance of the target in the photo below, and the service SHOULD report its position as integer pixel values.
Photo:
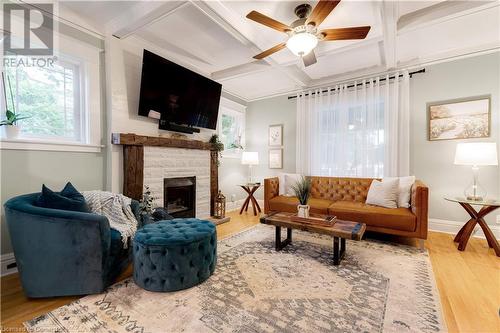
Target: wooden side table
(250, 189)
(487, 206)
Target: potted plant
(302, 190)
(11, 117)
(217, 146)
(146, 206)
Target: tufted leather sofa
(175, 254)
(345, 198)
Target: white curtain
(360, 131)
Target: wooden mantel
(133, 161)
(130, 139)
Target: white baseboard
(236, 205)
(7, 260)
(452, 227)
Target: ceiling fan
(303, 34)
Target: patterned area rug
(378, 287)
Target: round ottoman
(174, 254)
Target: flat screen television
(176, 95)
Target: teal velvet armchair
(60, 252)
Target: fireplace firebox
(179, 196)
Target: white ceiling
(215, 37)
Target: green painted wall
(261, 114)
(24, 171)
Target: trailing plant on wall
(217, 145)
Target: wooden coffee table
(340, 231)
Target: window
(52, 98)
(231, 128)
(358, 148)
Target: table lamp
(476, 154)
(250, 158)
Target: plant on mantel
(11, 117)
(217, 146)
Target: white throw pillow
(384, 194)
(404, 195)
(290, 180)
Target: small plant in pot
(11, 117)
(302, 190)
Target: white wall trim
(33, 144)
(6, 260)
(452, 227)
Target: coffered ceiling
(217, 39)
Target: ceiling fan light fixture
(302, 43)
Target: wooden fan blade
(270, 51)
(321, 11)
(309, 59)
(267, 21)
(345, 33)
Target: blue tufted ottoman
(174, 254)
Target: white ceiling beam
(389, 13)
(232, 23)
(351, 75)
(441, 12)
(142, 14)
(240, 70)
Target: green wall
(24, 171)
(261, 114)
(432, 161)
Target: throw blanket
(116, 207)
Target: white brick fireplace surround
(163, 162)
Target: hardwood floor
(468, 283)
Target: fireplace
(179, 196)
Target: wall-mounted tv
(177, 96)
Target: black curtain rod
(360, 84)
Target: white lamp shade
(476, 153)
(250, 158)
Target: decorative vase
(303, 211)
(11, 131)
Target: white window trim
(48, 145)
(88, 60)
(228, 106)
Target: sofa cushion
(392, 218)
(384, 194)
(68, 199)
(340, 189)
(319, 206)
(283, 203)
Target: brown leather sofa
(345, 198)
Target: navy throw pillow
(68, 199)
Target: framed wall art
(276, 135)
(465, 118)
(276, 158)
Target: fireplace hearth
(179, 196)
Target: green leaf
(10, 115)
